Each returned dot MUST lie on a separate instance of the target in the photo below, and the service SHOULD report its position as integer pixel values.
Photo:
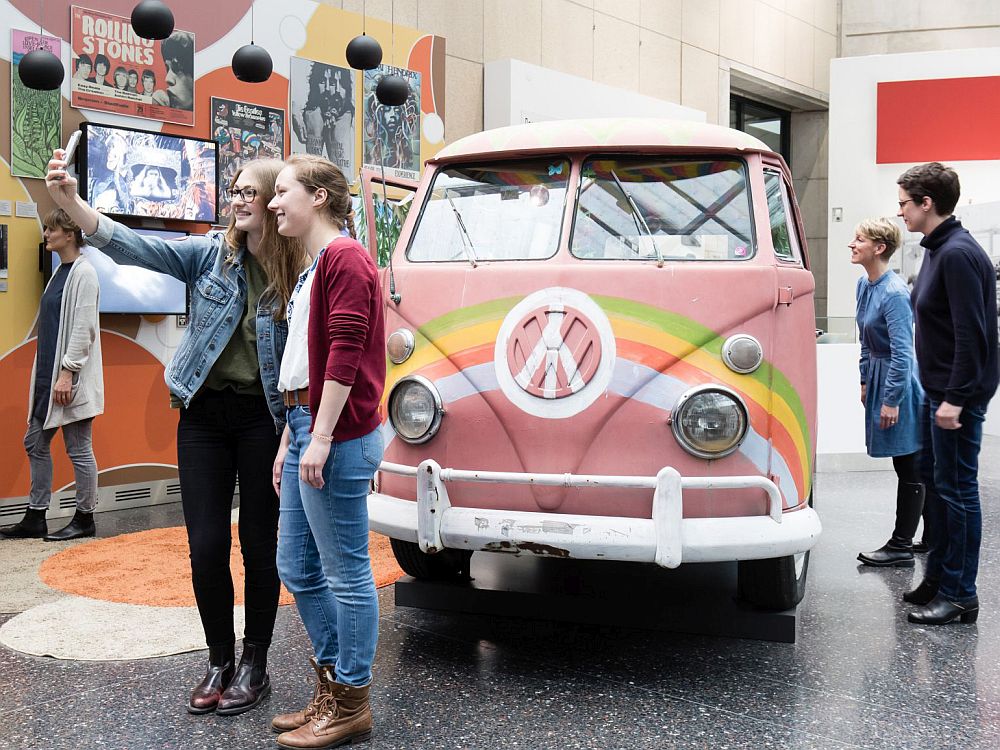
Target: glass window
(502, 211)
(779, 209)
(769, 124)
(649, 208)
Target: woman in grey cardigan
(67, 384)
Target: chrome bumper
(668, 539)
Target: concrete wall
(878, 28)
(810, 159)
(678, 50)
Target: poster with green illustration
(389, 218)
(35, 116)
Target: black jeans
(223, 435)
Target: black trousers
(223, 435)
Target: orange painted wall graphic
(138, 429)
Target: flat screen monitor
(137, 173)
(130, 289)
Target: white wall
(859, 186)
(516, 92)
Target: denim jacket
(217, 293)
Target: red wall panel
(944, 119)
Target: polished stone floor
(859, 676)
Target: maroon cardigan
(347, 335)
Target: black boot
(206, 694)
(32, 526)
(898, 551)
(81, 526)
(923, 546)
(940, 611)
(893, 553)
(922, 594)
(251, 684)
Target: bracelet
(324, 438)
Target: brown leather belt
(296, 398)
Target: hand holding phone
(71, 145)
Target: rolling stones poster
(392, 134)
(35, 116)
(244, 132)
(116, 70)
(321, 105)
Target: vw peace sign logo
(555, 353)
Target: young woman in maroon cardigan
(332, 378)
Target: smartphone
(71, 145)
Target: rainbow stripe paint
(665, 344)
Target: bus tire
(446, 565)
(778, 583)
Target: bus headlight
(710, 421)
(415, 409)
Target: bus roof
(626, 133)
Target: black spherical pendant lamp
(364, 52)
(392, 91)
(252, 64)
(41, 70)
(152, 19)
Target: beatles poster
(244, 132)
(35, 116)
(392, 134)
(116, 70)
(321, 107)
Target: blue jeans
(323, 550)
(950, 472)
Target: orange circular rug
(153, 568)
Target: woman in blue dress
(890, 390)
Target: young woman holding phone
(223, 378)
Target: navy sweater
(955, 309)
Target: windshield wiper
(637, 217)
(467, 247)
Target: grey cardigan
(78, 349)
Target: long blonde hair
(282, 258)
(315, 172)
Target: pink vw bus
(601, 345)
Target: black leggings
(907, 467)
(219, 437)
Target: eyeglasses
(247, 194)
(908, 200)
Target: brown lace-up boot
(342, 716)
(288, 722)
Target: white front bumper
(667, 538)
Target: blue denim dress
(888, 364)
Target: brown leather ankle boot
(249, 685)
(342, 716)
(288, 722)
(206, 694)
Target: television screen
(127, 172)
(130, 289)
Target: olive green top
(238, 367)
